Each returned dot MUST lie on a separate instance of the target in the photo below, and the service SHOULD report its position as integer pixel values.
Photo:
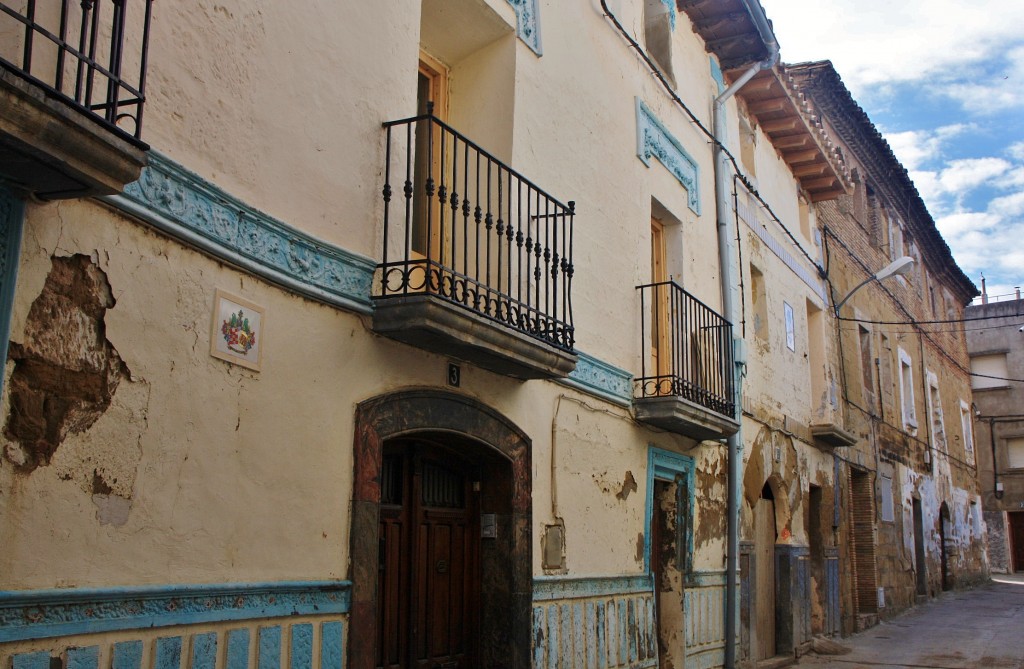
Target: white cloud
(969, 173)
(1012, 179)
(1016, 150)
(1008, 205)
(877, 41)
(965, 222)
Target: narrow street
(976, 629)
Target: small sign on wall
(790, 327)
(236, 334)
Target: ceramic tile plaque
(236, 334)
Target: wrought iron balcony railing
(687, 349)
(464, 227)
(89, 53)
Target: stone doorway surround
(431, 410)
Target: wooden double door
(428, 580)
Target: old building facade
(458, 333)
(996, 345)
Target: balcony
(686, 377)
(72, 80)
(477, 261)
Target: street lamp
(901, 265)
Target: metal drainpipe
(725, 255)
(726, 252)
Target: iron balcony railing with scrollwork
(687, 349)
(462, 226)
(92, 54)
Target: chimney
(984, 295)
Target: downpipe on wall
(726, 253)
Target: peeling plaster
(74, 405)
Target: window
(895, 238)
(658, 35)
(866, 363)
(885, 500)
(907, 391)
(989, 365)
(816, 358)
(759, 304)
(805, 219)
(885, 370)
(787, 310)
(967, 428)
(748, 143)
(952, 309)
(1015, 452)
(937, 425)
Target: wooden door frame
(404, 413)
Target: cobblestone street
(976, 629)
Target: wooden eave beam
(768, 105)
(804, 156)
(818, 184)
(812, 170)
(798, 141)
(780, 124)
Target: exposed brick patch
(66, 371)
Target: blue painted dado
(184, 205)
(267, 621)
(37, 614)
(654, 140)
(598, 621)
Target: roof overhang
(783, 114)
(728, 30)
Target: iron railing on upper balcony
(687, 349)
(92, 54)
(462, 226)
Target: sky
(943, 80)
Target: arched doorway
(765, 535)
(945, 536)
(441, 534)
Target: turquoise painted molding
(668, 466)
(654, 140)
(716, 74)
(598, 378)
(670, 7)
(528, 23)
(36, 614)
(548, 588)
(186, 206)
(12, 220)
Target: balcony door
(431, 93)
(661, 351)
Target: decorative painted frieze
(528, 23)
(596, 377)
(653, 140)
(184, 205)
